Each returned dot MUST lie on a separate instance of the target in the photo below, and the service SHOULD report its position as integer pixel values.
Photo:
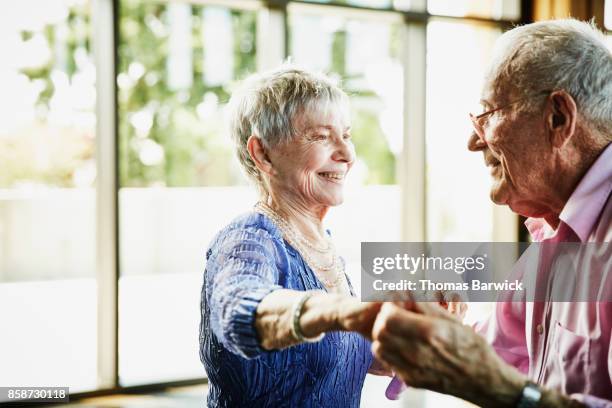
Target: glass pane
(364, 54)
(404, 5)
(47, 196)
(361, 3)
(495, 9)
(180, 181)
(458, 205)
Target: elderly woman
(278, 311)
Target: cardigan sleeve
(241, 270)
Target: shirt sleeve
(240, 271)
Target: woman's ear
(561, 115)
(258, 154)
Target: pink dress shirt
(565, 345)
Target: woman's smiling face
(312, 167)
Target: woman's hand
(356, 316)
(325, 312)
(457, 309)
(454, 304)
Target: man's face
(515, 150)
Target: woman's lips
(334, 177)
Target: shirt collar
(584, 205)
(538, 229)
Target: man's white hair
(559, 54)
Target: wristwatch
(530, 397)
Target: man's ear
(258, 154)
(561, 116)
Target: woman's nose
(345, 151)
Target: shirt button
(540, 329)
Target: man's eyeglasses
(478, 121)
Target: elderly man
(545, 133)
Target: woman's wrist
(320, 314)
(296, 326)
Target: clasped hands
(427, 346)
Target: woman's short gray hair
(559, 54)
(267, 104)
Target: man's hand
(429, 348)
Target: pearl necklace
(298, 241)
(287, 227)
(312, 246)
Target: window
(47, 196)
(177, 65)
(362, 3)
(364, 54)
(179, 181)
(458, 208)
(493, 9)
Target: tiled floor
(180, 397)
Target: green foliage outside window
(195, 151)
(167, 137)
(38, 151)
(370, 142)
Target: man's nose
(475, 143)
